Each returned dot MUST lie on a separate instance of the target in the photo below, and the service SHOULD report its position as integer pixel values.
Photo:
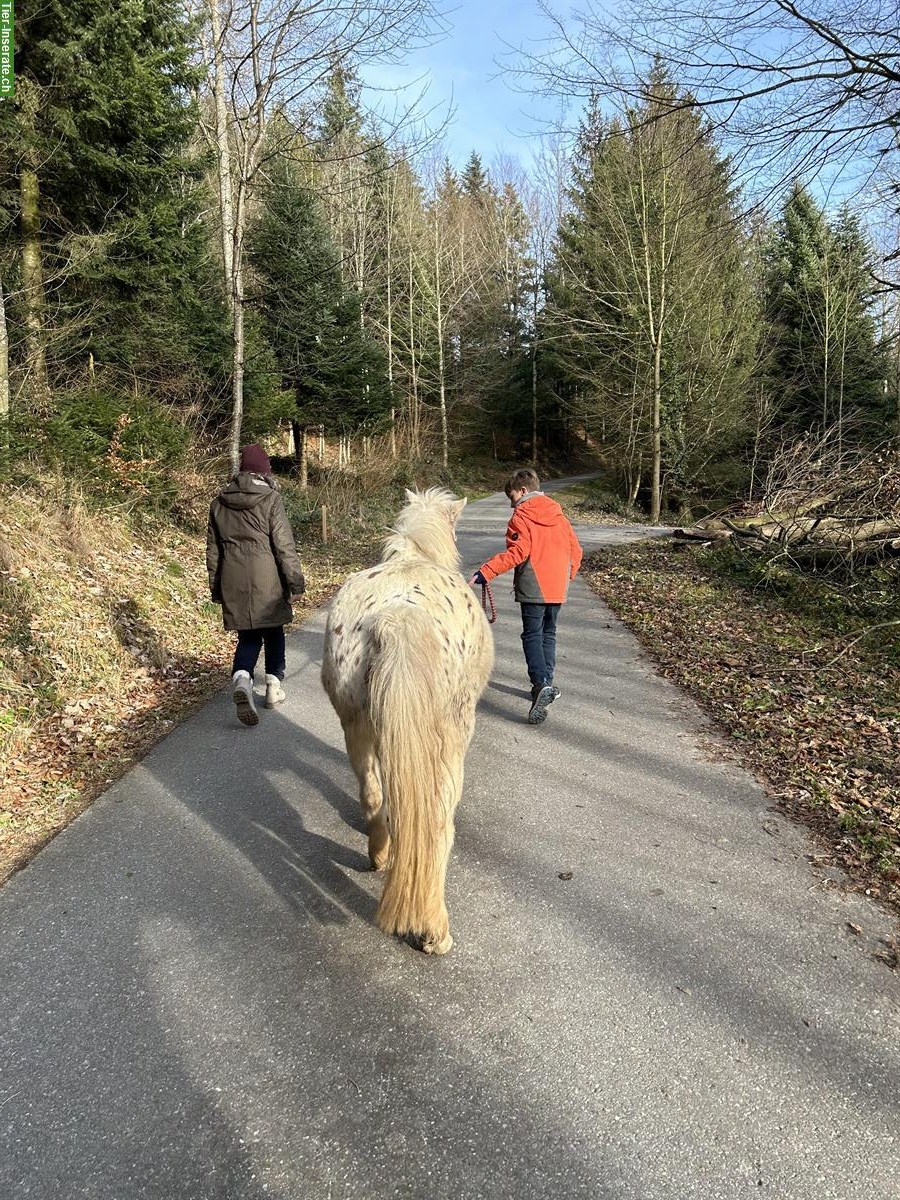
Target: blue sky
(493, 114)
(465, 69)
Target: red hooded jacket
(543, 548)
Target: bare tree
(803, 87)
(544, 199)
(822, 506)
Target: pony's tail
(407, 707)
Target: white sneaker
(274, 691)
(242, 695)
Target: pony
(408, 652)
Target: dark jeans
(539, 640)
(249, 644)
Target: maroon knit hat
(254, 458)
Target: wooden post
(324, 525)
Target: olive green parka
(250, 554)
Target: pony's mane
(425, 528)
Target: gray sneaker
(540, 703)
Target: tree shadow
(255, 1033)
(135, 634)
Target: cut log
(697, 533)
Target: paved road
(196, 1005)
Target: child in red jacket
(542, 547)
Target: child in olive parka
(254, 572)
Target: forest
(207, 239)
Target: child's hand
(477, 579)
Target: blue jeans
(249, 644)
(539, 640)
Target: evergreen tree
(448, 190)
(493, 324)
(335, 371)
(474, 180)
(109, 191)
(649, 312)
(342, 121)
(825, 365)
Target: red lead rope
(488, 595)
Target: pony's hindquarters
(422, 711)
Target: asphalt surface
(196, 1004)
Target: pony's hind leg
(361, 751)
(436, 937)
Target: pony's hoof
(379, 851)
(378, 861)
(430, 945)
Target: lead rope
(488, 595)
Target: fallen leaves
(826, 741)
(890, 955)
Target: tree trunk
(223, 154)
(534, 382)
(635, 487)
(413, 369)
(237, 369)
(390, 352)
(443, 401)
(442, 382)
(232, 242)
(656, 485)
(301, 455)
(38, 385)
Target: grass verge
(107, 640)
